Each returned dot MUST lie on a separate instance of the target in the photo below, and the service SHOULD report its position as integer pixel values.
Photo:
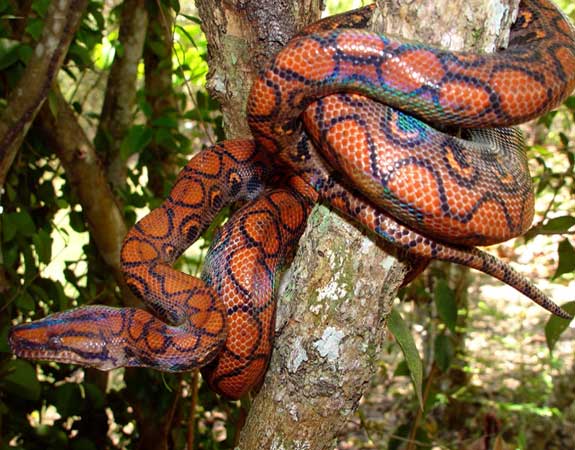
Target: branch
(118, 107)
(86, 176)
(27, 97)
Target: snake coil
(365, 147)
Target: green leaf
(25, 302)
(570, 103)
(67, 399)
(401, 370)
(82, 444)
(192, 18)
(53, 103)
(20, 379)
(18, 223)
(95, 396)
(137, 138)
(165, 121)
(398, 328)
(559, 224)
(555, 326)
(446, 305)
(9, 53)
(43, 246)
(566, 258)
(175, 4)
(76, 220)
(4, 347)
(34, 27)
(443, 351)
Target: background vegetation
(492, 371)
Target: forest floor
(508, 379)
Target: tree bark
(27, 97)
(160, 95)
(87, 177)
(341, 285)
(242, 36)
(118, 108)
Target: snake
(413, 142)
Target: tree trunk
(341, 285)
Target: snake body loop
(365, 147)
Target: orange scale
(188, 343)
(453, 97)
(349, 68)
(308, 58)
(236, 386)
(260, 228)
(215, 324)
(262, 102)
(567, 59)
(411, 70)
(203, 299)
(155, 338)
(360, 44)
(534, 93)
(418, 198)
(291, 213)
(243, 334)
(188, 191)
(135, 283)
(186, 228)
(355, 134)
(243, 266)
(209, 164)
(490, 220)
(138, 251)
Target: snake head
(81, 336)
(106, 338)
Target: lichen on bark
(341, 285)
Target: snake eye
(54, 342)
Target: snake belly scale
(344, 115)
